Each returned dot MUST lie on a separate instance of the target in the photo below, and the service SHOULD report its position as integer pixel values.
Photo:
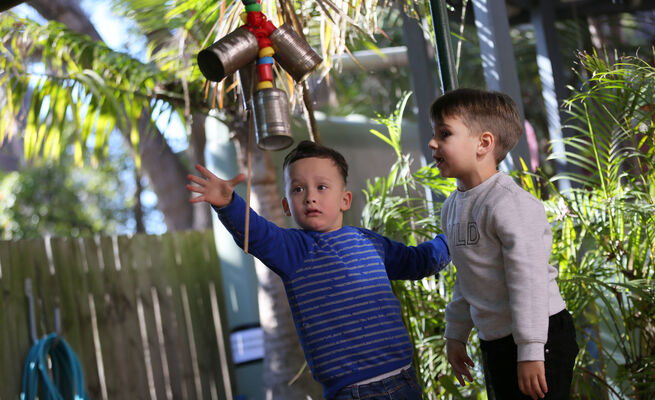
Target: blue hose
(63, 380)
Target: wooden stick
(206, 90)
(251, 132)
(214, 95)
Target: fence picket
(151, 306)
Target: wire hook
(30, 308)
(32, 319)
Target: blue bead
(265, 60)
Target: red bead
(264, 42)
(265, 72)
(268, 27)
(260, 33)
(256, 18)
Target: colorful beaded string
(257, 23)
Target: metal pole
(445, 57)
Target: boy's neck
(475, 178)
(327, 231)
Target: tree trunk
(12, 148)
(67, 12)
(283, 357)
(166, 174)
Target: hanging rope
(52, 371)
(251, 142)
(257, 23)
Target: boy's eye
(322, 187)
(444, 134)
(297, 189)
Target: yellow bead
(266, 52)
(264, 85)
(244, 17)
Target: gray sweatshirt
(500, 242)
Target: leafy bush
(604, 228)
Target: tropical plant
(604, 230)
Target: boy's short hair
(482, 111)
(307, 149)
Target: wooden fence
(143, 313)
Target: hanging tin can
(293, 53)
(271, 117)
(233, 51)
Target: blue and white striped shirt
(347, 318)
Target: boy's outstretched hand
(459, 360)
(211, 188)
(532, 379)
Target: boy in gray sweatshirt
(500, 242)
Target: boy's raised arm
(280, 249)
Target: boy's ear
(346, 200)
(487, 143)
(285, 206)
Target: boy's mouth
(439, 160)
(312, 212)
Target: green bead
(253, 7)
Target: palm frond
(611, 115)
(77, 88)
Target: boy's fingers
(532, 388)
(237, 179)
(524, 387)
(539, 387)
(196, 179)
(543, 384)
(461, 372)
(193, 188)
(205, 171)
(460, 379)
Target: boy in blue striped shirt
(336, 277)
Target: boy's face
(454, 148)
(315, 194)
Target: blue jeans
(403, 386)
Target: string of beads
(257, 23)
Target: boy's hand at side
(211, 188)
(459, 360)
(532, 379)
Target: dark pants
(500, 365)
(403, 386)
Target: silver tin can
(293, 53)
(271, 119)
(233, 51)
